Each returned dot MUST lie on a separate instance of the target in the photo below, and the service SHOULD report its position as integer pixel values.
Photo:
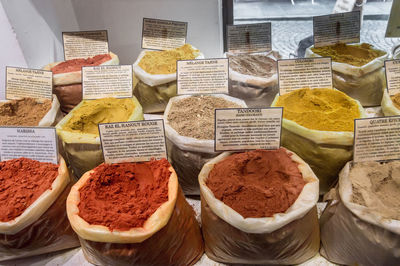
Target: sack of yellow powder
(79, 133)
(253, 77)
(67, 77)
(357, 70)
(318, 125)
(156, 72)
(134, 214)
(259, 207)
(361, 223)
(189, 131)
(30, 112)
(390, 104)
(32, 212)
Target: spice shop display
(134, 213)
(79, 131)
(67, 77)
(156, 74)
(357, 70)
(361, 225)
(259, 207)
(32, 214)
(189, 129)
(390, 104)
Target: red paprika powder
(77, 64)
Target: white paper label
(248, 128)
(344, 6)
(161, 34)
(377, 139)
(392, 68)
(337, 28)
(393, 26)
(135, 141)
(25, 82)
(84, 44)
(37, 143)
(107, 81)
(295, 74)
(248, 38)
(202, 76)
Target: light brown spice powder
(23, 112)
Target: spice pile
(253, 64)
(23, 112)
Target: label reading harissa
(248, 128)
(202, 76)
(392, 68)
(304, 73)
(135, 141)
(377, 139)
(84, 44)
(247, 38)
(161, 34)
(337, 28)
(24, 82)
(107, 81)
(37, 143)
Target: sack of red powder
(134, 214)
(32, 213)
(361, 223)
(67, 77)
(259, 207)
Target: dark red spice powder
(22, 181)
(77, 64)
(123, 196)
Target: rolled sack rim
(350, 69)
(189, 143)
(306, 200)
(344, 138)
(155, 79)
(101, 233)
(40, 205)
(75, 76)
(346, 191)
(388, 107)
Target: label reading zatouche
(248, 128)
(392, 68)
(84, 44)
(134, 141)
(25, 82)
(249, 38)
(377, 139)
(295, 74)
(36, 143)
(107, 81)
(161, 34)
(337, 28)
(202, 76)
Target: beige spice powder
(23, 112)
(194, 116)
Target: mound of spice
(77, 64)
(396, 100)
(194, 116)
(22, 181)
(376, 185)
(257, 183)
(320, 109)
(123, 196)
(253, 64)
(356, 55)
(23, 112)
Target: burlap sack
(43, 227)
(325, 151)
(365, 83)
(188, 155)
(351, 235)
(388, 108)
(83, 150)
(171, 235)
(286, 238)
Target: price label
(248, 128)
(161, 34)
(84, 44)
(248, 38)
(392, 68)
(135, 141)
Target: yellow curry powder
(164, 62)
(396, 100)
(356, 55)
(92, 112)
(320, 109)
